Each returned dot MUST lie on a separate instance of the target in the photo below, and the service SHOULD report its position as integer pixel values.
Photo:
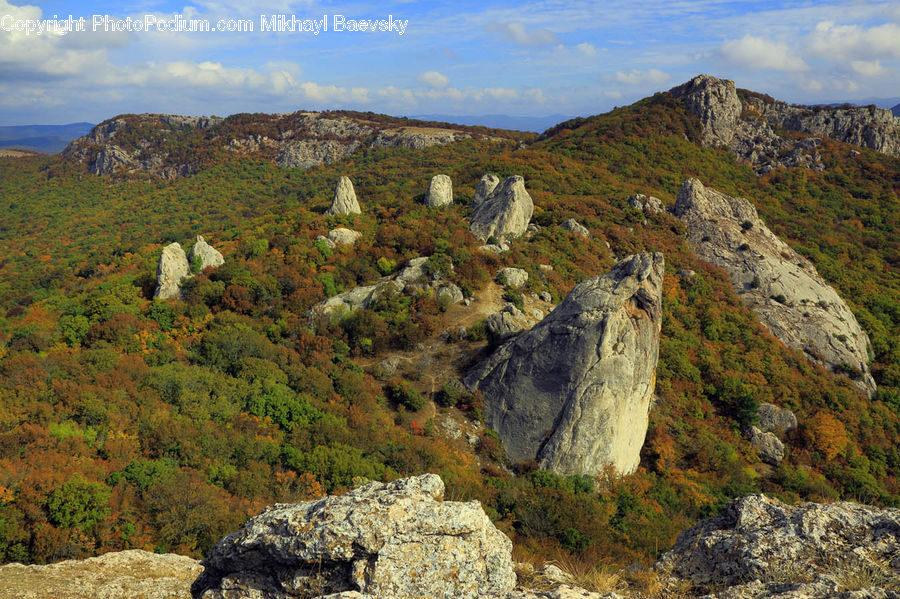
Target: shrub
(403, 394)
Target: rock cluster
(757, 539)
(576, 227)
(505, 213)
(344, 201)
(398, 540)
(485, 187)
(645, 203)
(779, 285)
(174, 266)
(574, 392)
(440, 191)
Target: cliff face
(748, 128)
(171, 146)
(574, 392)
(782, 287)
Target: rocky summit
(780, 286)
(574, 392)
(760, 547)
(344, 201)
(440, 191)
(505, 213)
(398, 540)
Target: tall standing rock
(574, 392)
(398, 540)
(486, 186)
(173, 267)
(440, 191)
(344, 201)
(505, 213)
(715, 102)
(780, 286)
(209, 256)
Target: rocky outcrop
(748, 127)
(770, 447)
(505, 213)
(398, 540)
(757, 538)
(575, 227)
(440, 192)
(773, 419)
(343, 236)
(309, 153)
(646, 204)
(118, 575)
(513, 277)
(173, 267)
(417, 138)
(485, 187)
(207, 254)
(505, 324)
(779, 285)
(574, 392)
(344, 201)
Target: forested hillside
(132, 423)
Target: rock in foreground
(505, 213)
(757, 538)
(574, 392)
(780, 286)
(120, 575)
(397, 540)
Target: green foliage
(74, 329)
(163, 314)
(79, 503)
(196, 263)
(385, 265)
(405, 395)
(515, 298)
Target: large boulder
(774, 419)
(514, 277)
(780, 286)
(343, 236)
(344, 201)
(505, 213)
(207, 254)
(398, 540)
(485, 187)
(759, 538)
(574, 392)
(440, 191)
(172, 268)
(769, 446)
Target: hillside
(128, 423)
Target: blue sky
(461, 58)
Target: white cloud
(855, 42)
(517, 33)
(757, 53)
(867, 68)
(433, 79)
(638, 77)
(586, 49)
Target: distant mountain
(47, 139)
(538, 124)
(896, 109)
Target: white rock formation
(770, 448)
(505, 213)
(574, 392)
(344, 201)
(440, 192)
(398, 540)
(780, 286)
(209, 256)
(173, 267)
(645, 203)
(513, 277)
(485, 187)
(343, 236)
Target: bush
(403, 394)
(79, 503)
(448, 396)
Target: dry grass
(857, 574)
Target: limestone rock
(117, 575)
(484, 189)
(173, 267)
(576, 227)
(574, 392)
(501, 326)
(645, 203)
(209, 256)
(449, 293)
(775, 419)
(514, 277)
(779, 285)
(770, 448)
(440, 191)
(342, 236)
(396, 540)
(505, 213)
(306, 154)
(757, 537)
(344, 201)
(715, 102)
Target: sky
(455, 58)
